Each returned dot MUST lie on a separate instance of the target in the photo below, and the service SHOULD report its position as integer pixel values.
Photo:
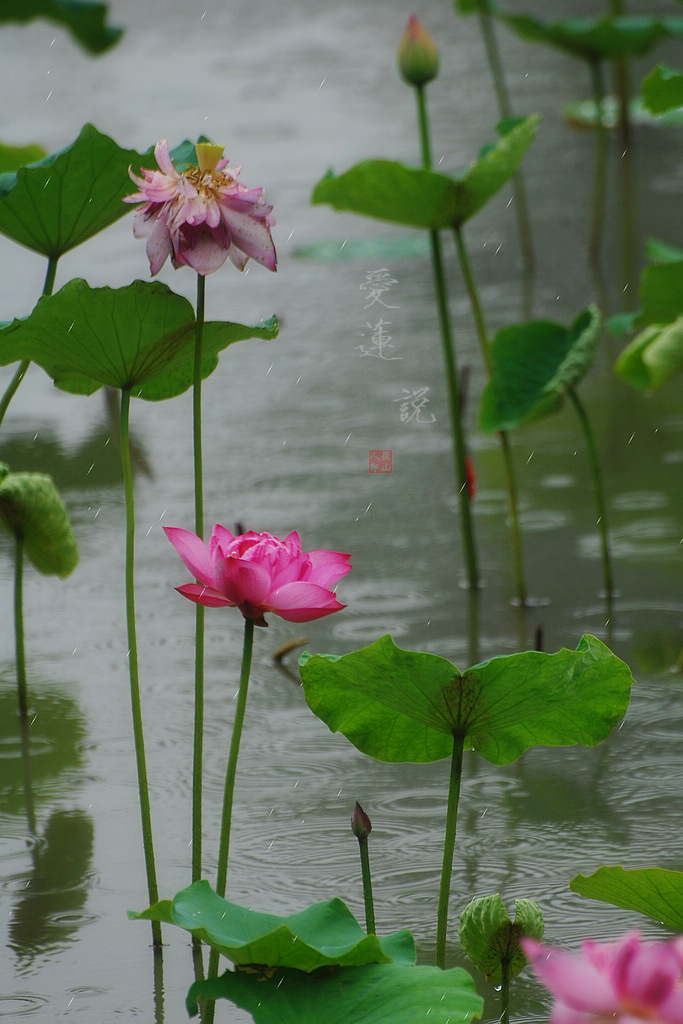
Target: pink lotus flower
(201, 217)
(258, 573)
(622, 982)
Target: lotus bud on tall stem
(361, 828)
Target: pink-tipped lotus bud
(418, 57)
(360, 823)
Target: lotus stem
(505, 991)
(505, 108)
(230, 773)
(367, 886)
(622, 81)
(480, 324)
(19, 627)
(198, 741)
(607, 575)
(450, 361)
(138, 734)
(448, 850)
(601, 155)
(20, 373)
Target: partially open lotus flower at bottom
(258, 573)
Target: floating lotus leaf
(534, 364)
(31, 509)
(324, 935)
(391, 191)
(663, 89)
(397, 705)
(86, 21)
(655, 892)
(140, 337)
(376, 994)
(601, 38)
(60, 201)
(490, 938)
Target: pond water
(294, 89)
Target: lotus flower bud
(418, 57)
(360, 823)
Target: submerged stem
(452, 376)
(19, 627)
(448, 850)
(608, 579)
(198, 742)
(138, 734)
(20, 372)
(478, 314)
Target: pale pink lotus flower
(201, 217)
(258, 573)
(624, 982)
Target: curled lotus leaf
(324, 935)
(490, 938)
(408, 706)
(32, 510)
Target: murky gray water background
(293, 89)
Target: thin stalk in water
(361, 828)
(198, 743)
(607, 575)
(231, 771)
(138, 734)
(448, 850)
(478, 314)
(20, 653)
(20, 373)
(505, 109)
(450, 361)
(505, 991)
(601, 156)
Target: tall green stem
(198, 745)
(505, 108)
(230, 773)
(448, 850)
(367, 886)
(607, 575)
(505, 992)
(478, 314)
(450, 361)
(145, 810)
(20, 373)
(622, 81)
(19, 627)
(601, 155)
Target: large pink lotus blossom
(203, 216)
(624, 982)
(259, 573)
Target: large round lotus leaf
(85, 20)
(31, 509)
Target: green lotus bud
(491, 940)
(418, 57)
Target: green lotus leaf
(661, 293)
(376, 994)
(31, 509)
(654, 356)
(655, 892)
(140, 337)
(86, 21)
(12, 157)
(397, 705)
(534, 365)
(324, 935)
(663, 89)
(657, 251)
(391, 191)
(60, 201)
(599, 38)
(491, 939)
